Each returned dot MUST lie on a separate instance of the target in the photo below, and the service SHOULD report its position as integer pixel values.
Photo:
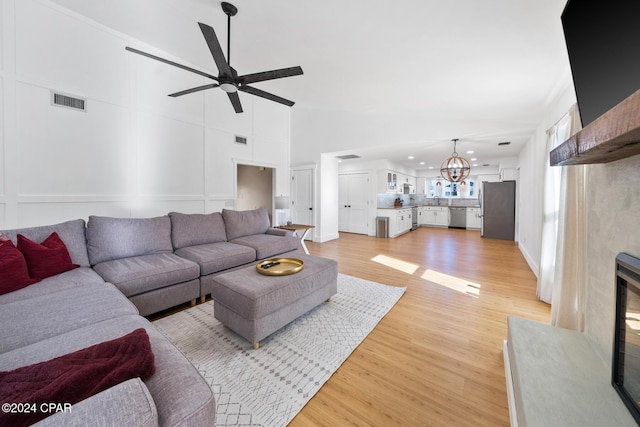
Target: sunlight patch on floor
(396, 264)
(452, 282)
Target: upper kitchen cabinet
(390, 181)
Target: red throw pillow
(13, 266)
(74, 377)
(46, 259)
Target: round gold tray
(283, 267)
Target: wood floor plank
(436, 358)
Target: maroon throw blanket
(26, 394)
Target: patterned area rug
(269, 386)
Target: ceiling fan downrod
(230, 10)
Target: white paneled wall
(135, 151)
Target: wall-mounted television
(625, 375)
(603, 43)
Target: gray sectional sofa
(127, 268)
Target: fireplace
(626, 348)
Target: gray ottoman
(255, 306)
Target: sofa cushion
(136, 275)
(53, 314)
(245, 223)
(45, 259)
(115, 238)
(129, 403)
(215, 257)
(72, 233)
(196, 229)
(60, 282)
(267, 245)
(76, 376)
(182, 396)
(13, 266)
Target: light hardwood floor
(436, 357)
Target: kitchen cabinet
(434, 216)
(474, 221)
(399, 220)
(403, 220)
(508, 174)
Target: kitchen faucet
(437, 200)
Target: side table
(296, 228)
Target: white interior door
(352, 198)
(302, 198)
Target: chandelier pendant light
(455, 168)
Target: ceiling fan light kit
(228, 79)
(455, 168)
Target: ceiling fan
(228, 79)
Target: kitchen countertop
(435, 206)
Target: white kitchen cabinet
(403, 222)
(474, 221)
(508, 174)
(434, 216)
(399, 220)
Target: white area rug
(269, 386)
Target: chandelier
(455, 168)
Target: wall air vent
(348, 156)
(486, 164)
(241, 140)
(504, 143)
(68, 101)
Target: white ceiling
(494, 63)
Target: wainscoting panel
(81, 59)
(272, 120)
(169, 157)
(39, 213)
(220, 149)
(152, 94)
(219, 112)
(67, 152)
(152, 208)
(3, 171)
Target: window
(440, 188)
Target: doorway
(302, 198)
(254, 188)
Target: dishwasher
(458, 218)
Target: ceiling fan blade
(270, 75)
(266, 95)
(235, 101)
(216, 51)
(175, 64)
(194, 89)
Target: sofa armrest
(279, 232)
(128, 403)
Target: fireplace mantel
(613, 136)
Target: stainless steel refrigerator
(498, 210)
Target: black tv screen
(603, 43)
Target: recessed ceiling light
(470, 152)
(422, 163)
(410, 157)
(430, 167)
(474, 159)
(475, 165)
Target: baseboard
(532, 264)
(510, 396)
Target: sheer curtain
(561, 280)
(567, 302)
